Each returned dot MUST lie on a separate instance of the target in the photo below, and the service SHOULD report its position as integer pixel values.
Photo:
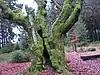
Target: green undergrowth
(95, 42)
(16, 56)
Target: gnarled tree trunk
(49, 50)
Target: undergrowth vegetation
(20, 56)
(15, 53)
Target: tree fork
(73, 18)
(56, 41)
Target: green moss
(55, 48)
(35, 69)
(66, 11)
(73, 18)
(37, 50)
(58, 61)
(14, 15)
(0, 1)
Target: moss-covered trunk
(55, 48)
(37, 50)
(50, 49)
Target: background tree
(81, 31)
(91, 15)
(6, 33)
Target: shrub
(17, 47)
(20, 56)
(7, 49)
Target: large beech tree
(48, 50)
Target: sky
(30, 3)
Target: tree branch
(73, 18)
(16, 16)
(57, 5)
(65, 13)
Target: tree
(91, 16)
(82, 32)
(47, 50)
(6, 33)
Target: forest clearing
(49, 37)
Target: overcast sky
(30, 3)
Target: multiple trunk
(49, 50)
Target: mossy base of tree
(56, 52)
(35, 69)
(58, 61)
(52, 55)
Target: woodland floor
(76, 65)
(12, 68)
(79, 67)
